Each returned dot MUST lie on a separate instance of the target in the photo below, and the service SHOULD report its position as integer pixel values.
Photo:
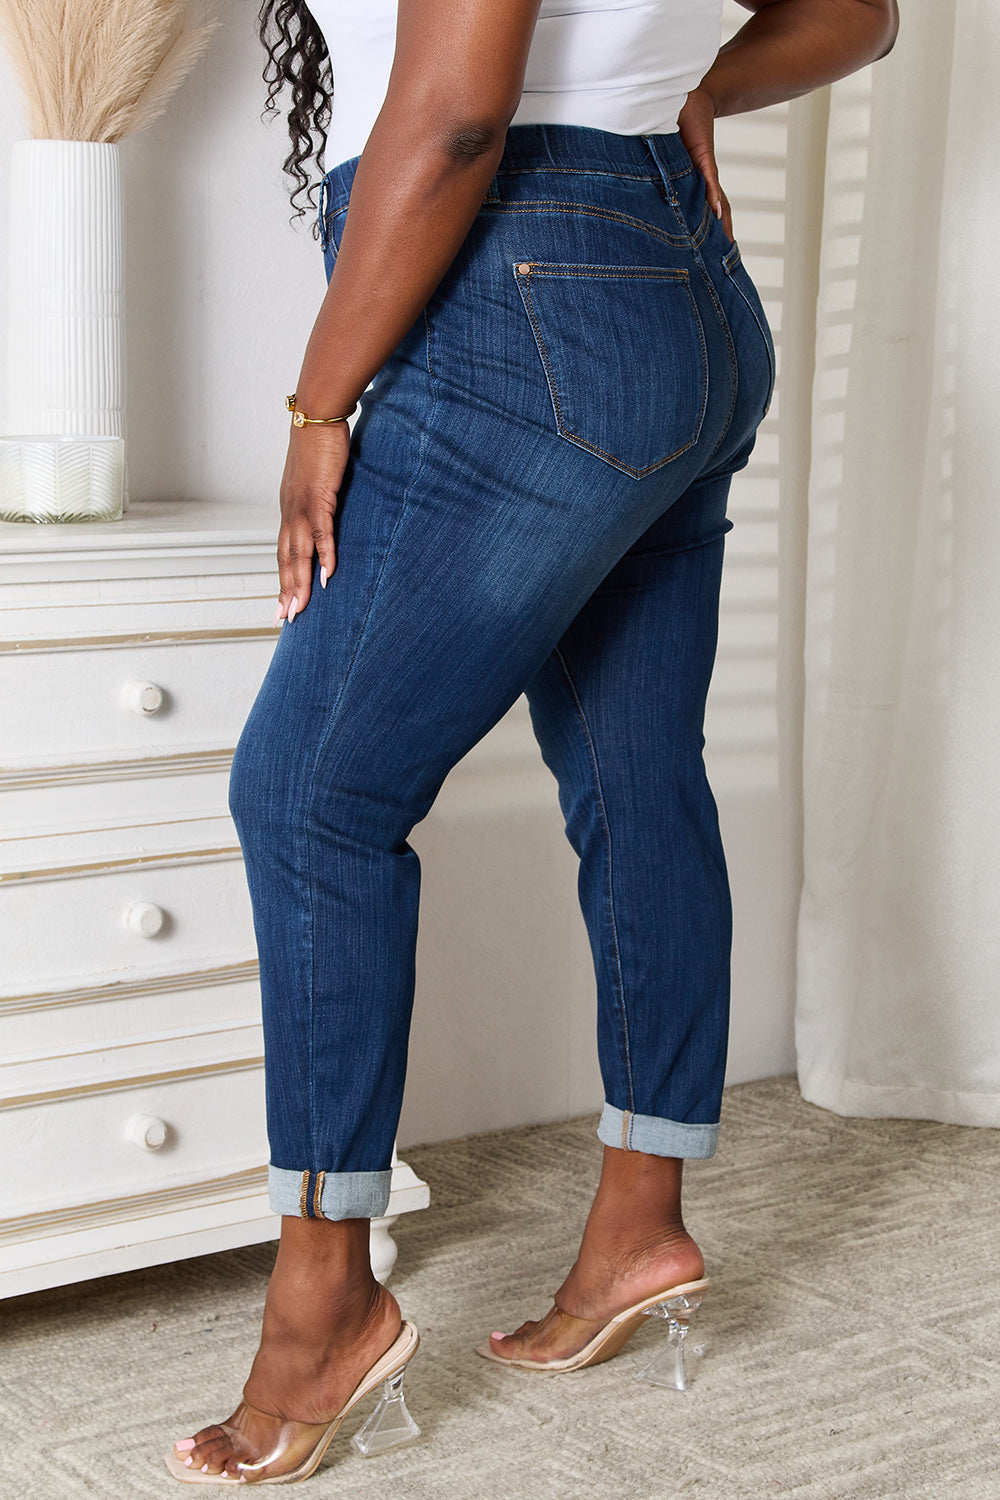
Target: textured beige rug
(853, 1332)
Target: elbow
(455, 134)
(890, 30)
(474, 127)
(467, 142)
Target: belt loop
(324, 190)
(667, 186)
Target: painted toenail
(189, 1461)
(184, 1445)
(204, 1468)
(498, 1335)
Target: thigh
(633, 668)
(461, 565)
(490, 492)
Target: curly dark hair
(297, 56)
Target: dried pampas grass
(96, 70)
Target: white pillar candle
(61, 478)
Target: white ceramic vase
(66, 315)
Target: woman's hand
(696, 123)
(456, 82)
(310, 485)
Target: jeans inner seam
(581, 714)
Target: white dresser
(131, 1082)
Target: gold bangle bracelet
(299, 418)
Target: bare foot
(634, 1246)
(326, 1322)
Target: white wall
(221, 290)
(221, 298)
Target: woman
(569, 364)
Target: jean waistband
(581, 148)
(568, 148)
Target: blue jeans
(535, 503)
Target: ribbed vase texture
(66, 326)
(49, 478)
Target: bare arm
(787, 48)
(455, 84)
(790, 47)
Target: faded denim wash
(535, 502)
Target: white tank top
(620, 65)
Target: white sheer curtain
(898, 1009)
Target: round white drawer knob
(143, 918)
(146, 1131)
(142, 698)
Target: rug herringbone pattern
(853, 1331)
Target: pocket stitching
(609, 273)
(332, 215)
(547, 205)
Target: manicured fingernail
(718, 209)
(277, 616)
(323, 576)
(293, 610)
(184, 1445)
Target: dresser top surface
(148, 526)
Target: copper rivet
(523, 268)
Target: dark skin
(455, 84)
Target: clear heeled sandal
(671, 1367)
(299, 1447)
(389, 1424)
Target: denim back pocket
(624, 356)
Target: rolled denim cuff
(630, 1132)
(328, 1195)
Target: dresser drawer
(103, 1139)
(123, 917)
(132, 1108)
(76, 1019)
(129, 700)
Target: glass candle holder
(51, 477)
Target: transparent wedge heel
(674, 1364)
(389, 1424)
